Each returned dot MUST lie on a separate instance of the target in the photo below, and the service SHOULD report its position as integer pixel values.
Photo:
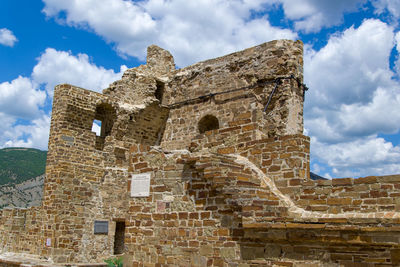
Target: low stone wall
(286, 160)
(21, 230)
(222, 210)
(368, 194)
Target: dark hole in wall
(208, 123)
(159, 91)
(119, 238)
(105, 116)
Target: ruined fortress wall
(86, 174)
(250, 68)
(192, 216)
(219, 209)
(286, 161)
(238, 194)
(73, 163)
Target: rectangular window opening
(119, 238)
(96, 127)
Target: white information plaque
(140, 185)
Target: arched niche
(208, 123)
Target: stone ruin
(201, 166)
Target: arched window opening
(208, 123)
(103, 123)
(159, 91)
(96, 127)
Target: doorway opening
(119, 237)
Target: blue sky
(351, 62)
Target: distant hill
(21, 177)
(20, 164)
(23, 195)
(314, 176)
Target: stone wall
(84, 171)
(221, 209)
(229, 175)
(21, 230)
(255, 70)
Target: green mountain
(19, 164)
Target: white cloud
(397, 63)
(397, 37)
(20, 98)
(96, 127)
(352, 94)
(391, 6)
(362, 157)
(35, 134)
(351, 66)
(57, 67)
(191, 30)
(7, 37)
(6, 124)
(312, 15)
(351, 121)
(344, 76)
(358, 119)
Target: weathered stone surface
(229, 177)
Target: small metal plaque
(101, 227)
(140, 185)
(67, 138)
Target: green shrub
(114, 262)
